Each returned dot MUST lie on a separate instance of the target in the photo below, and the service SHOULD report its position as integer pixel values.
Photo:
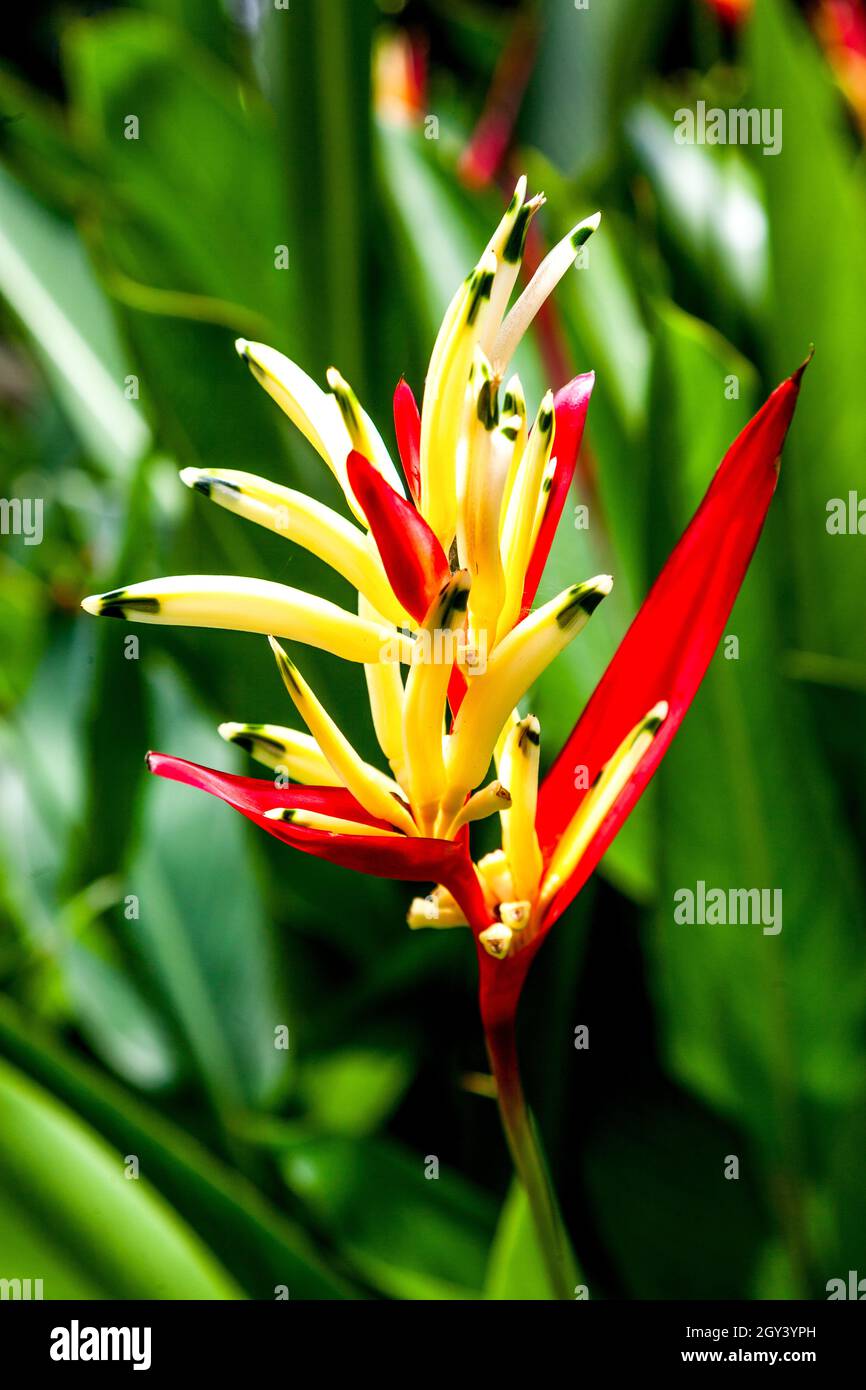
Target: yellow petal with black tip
(334, 825)
(519, 839)
(507, 245)
(362, 431)
(353, 772)
(482, 475)
(307, 523)
(308, 407)
(513, 405)
(517, 533)
(444, 392)
(540, 287)
(240, 604)
(296, 753)
(598, 802)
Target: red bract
(414, 561)
(407, 428)
(663, 656)
(413, 860)
(570, 405)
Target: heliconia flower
(445, 579)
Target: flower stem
(523, 1142)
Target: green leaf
(161, 203)
(202, 930)
(410, 1235)
(70, 1216)
(353, 1091)
(515, 1269)
(818, 296)
(252, 1238)
(45, 276)
(316, 66)
(711, 213)
(589, 62)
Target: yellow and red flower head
(445, 572)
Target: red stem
(528, 1159)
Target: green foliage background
(154, 1037)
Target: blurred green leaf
(411, 1236)
(353, 1091)
(97, 1234)
(199, 130)
(440, 233)
(589, 62)
(46, 279)
(315, 62)
(818, 296)
(202, 930)
(251, 1237)
(515, 1269)
(710, 210)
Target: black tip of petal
(589, 602)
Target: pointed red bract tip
(797, 376)
(407, 427)
(414, 561)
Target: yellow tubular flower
(307, 523)
(495, 877)
(515, 915)
(483, 475)
(308, 407)
(444, 391)
(425, 699)
(515, 663)
(295, 752)
(438, 909)
(542, 284)
(317, 820)
(283, 750)
(513, 405)
(598, 802)
(361, 430)
(517, 533)
(486, 802)
(519, 839)
(507, 245)
(385, 695)
(496, 940)
(543, 499)
(353, 772)
(240, 604)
